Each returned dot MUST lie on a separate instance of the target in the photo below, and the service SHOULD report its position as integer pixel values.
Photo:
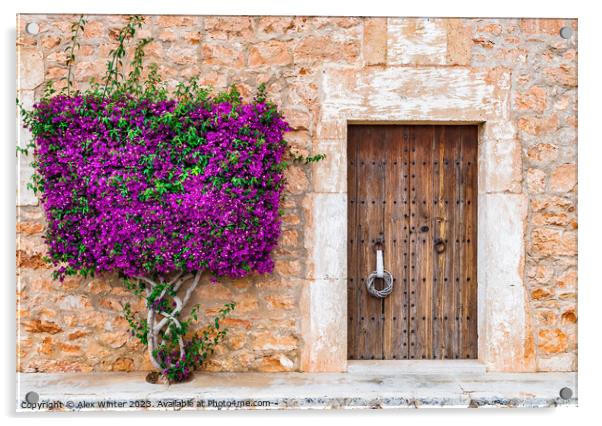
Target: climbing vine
(161, 188)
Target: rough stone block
(541, 26)
(416, 41)
(505, 336)
(553, 242)
(225, 55)
(326, 242)
(535, 181)
(503, 161)
(324, 324)
(459, 42)
(552, 340)
(269, 53)
(375, 41)
(534, 99)
(25, 196)
(320, 48)
(329, 174)
(558, 362)
(537, 126)
(564, 178)
(31, 68)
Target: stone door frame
(430, 95)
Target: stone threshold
(227, 391)
(422, 366)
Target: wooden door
(414, 188)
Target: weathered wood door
(414, 187)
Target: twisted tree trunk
(159, 321)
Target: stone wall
(78, 325)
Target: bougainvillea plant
(161, 188)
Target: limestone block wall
(78, 325)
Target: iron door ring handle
(439, 246)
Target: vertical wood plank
(469, 150)
(353, 294)
(456, 254)
(412, 260)
(371, 196)
(363, 170)
(421, 246)
(452, 253)
(405, 267)
(438, 232)
(394, 248)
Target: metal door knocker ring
(380, 272)
(439, 246)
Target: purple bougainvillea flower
(148, 187)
